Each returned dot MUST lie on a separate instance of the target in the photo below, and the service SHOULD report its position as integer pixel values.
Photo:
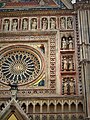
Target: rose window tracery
(20, 66)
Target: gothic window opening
(59, 107)
(30, 108)
(24, 107)
(66, 107)
(51, 108)
(44, 108)
(80, 107)
(73, 107)
(37, 108)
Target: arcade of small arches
(30, 23)
(51, 108)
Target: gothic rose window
(20, 66)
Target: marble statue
(69, 23)
(70, 42)
(53, 23)
(72, 86)
(6, 25)
(64, 43)
(25, 24)
(70, 62)
(14, 25)
(34, 24)
(63, 23)
(65, 63)
(44, 24)
(65, 86)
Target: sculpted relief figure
(62, 23)
(68, 85)
(25, 24)
(67, 42)
(64, 43)
(70, 41)
(6, 25)
(70, 64)
(34, 24)
(65, 86)
(44, 23)
(15, 25)
(69, 22)
(52, 23)
(65, 63)
(72, 86)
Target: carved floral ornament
(21, 64)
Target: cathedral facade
(44, 60)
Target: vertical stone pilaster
(84, 37)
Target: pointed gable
(32, 4)
(12, 117)
(68, 4)
(62, 4)
(13, 108)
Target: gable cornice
(68, 4)
(13, 108)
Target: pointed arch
(30, 108)
(44, 108)
(80, 107)
(66, 107)
(73, 107)
(51, 108)
(37, 108)
(59, 107)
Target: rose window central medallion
(20, 66)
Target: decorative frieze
(14, 24)
(66, 23)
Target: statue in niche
(34, 24)
(70, 63)
(6, 25)
(69, 22)
(70, 40)
(63, 23)
(14, 25)
(72, 86)
(25, 24)
(52, 23)
(65, 86)
(64, 43)
(44, 24)
(65, 63)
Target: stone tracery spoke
(20, 66)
